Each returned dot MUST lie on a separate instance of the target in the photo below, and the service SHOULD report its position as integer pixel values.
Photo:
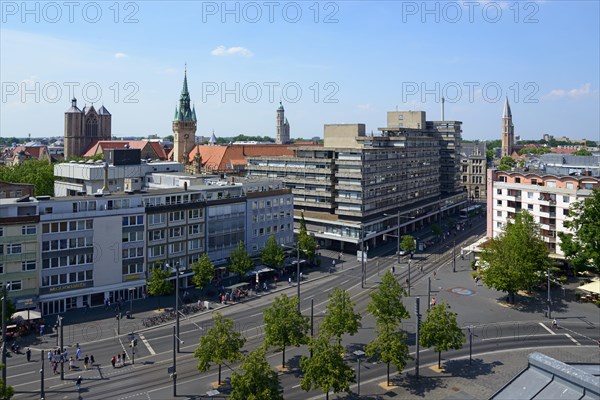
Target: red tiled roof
(562, 151)
(102, 145)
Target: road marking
(546, 328)
(344, 282)
(512, 337)
(572, 340)
(296, 386)
(256, 315)
(145, 341)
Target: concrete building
(357, 187)
(10, 190)
(19, 255)
(545, 196)
(85, 127)
(282, 135)
(473, 164)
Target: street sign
(363, 254)
(170, 370)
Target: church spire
(185, 112)
(506, 113)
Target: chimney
(443, 109)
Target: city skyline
(348, 59)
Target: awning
(593, 287)
(237, 285)
(31, 314)
(259, 270)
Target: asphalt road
(149, 378)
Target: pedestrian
(55, 367)
(50, 355)
(554, 324)
(421, 268)
(300, 276)
(393, 269)
(28, 353)
(113, 361)
(407, 282)
(78, 353)
(477, 280)
(275, 280)
(339, 256)
(92, 361)
(290, 281)
(78, 383)
(265, 285)
(71, 364)
(119, 360)
(42, 326)
(433, 301)
(86, 361)
(434, 274)
(123, 358)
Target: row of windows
(70, 226)
(63, 279)
(133, 220)
(531, 195)
(129, 269)
(68, 261)
(157, 251)
(271, 203)
(13, 248)
(156, 219)
(135, 236)
(134, 252)
(64, 244)
(267, 231)
(177, 199)
(269, 217)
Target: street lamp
(297, 248)
(549, 298)
(5, 288)
(62, 348)
(359, 354)
(177, 300)
(42, 392)
(176, 342)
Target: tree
(308, 246)
(582, 152)
(326, 369)
(583, 246)
(272, 254)
(440, 330)
(204, 271)
(7, 392)
(507, 163)
(387, 308)
(158, 283)
(241, 262)
(39, 173)
(10, 309)
(221, 343)
(340, 318)
(489, 155)
(517, 258)
(258, 382)
(169, 138)
(284, 324)
(408, 243)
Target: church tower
(83, 128)
(184, 126)
(283, 127)
(508, 131)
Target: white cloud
(231, 51)
(121, 55)
(584, 90)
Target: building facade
(545, 196)
(83, 128)
(473, 163)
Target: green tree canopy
(408, 243)
(10, 309)
(241, 262)
(221, 343)
(284, 324)
(506, 163)
(582, 248)
(158, 283)
(6, 392)
(258, 381)
(582, 152)
(326, 369)
(272, 254)
(388, 309)
(440, 329)
(517, 258)
(39, 173)
(308, 246)
(340, 318)
(204, 271)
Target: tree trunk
(439, 359)
(219, 374)
(388, 373)
(283, 360)
(327, 395)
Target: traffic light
(133, 343)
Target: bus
(471, 210)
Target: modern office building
(473, 163)
(356, 188)
(546, 196)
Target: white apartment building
(546, 196)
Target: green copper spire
(194, 113)
(176, 114)
(280, 107)
(185, 112)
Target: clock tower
(184, 126)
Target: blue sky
(339, 62)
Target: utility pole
(174, 363)
(62, 348)
(409, 277)
(398, 238)
(312, 321)
(362, 257)
(549, 299)
(470, 328)
(4, 294)
(298, 270)
(418, 317)
(428, 292)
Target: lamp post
(62, 349)
(418, 317)
(470, 328)
(297, 248)
(176, 342)
(358, 354)
(42, 392)
(408, 277)
(362, 257)
(5, 287)
(177, 300)
(549, 299)
(454, 256)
